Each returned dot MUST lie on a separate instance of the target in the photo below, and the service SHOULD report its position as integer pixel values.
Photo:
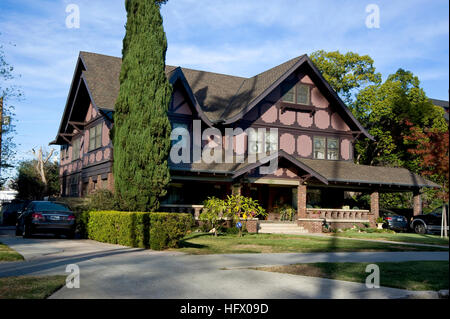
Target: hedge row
(135, 229)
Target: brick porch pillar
(301, 201)
(374, 207)
(236, 189)
(417, 205)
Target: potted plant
(380, 222)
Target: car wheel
(419, 228)
(26, 232)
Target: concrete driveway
(112, 271)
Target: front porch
(316, 191)
(274, 194)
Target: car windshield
(49, 206)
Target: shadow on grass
(186, 244)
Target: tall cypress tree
(141, 134)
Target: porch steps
(281, 228)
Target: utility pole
(444, 222)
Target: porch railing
(338, 214)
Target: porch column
(301, 201)
(374, 206)
(417, 205)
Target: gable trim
(286, 156)
(178, 75)
(266, 92)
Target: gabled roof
(218, 98)
(280, 155)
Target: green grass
(8, 254)
(30, 287)
(410, 275)
(204, 243)
(400, 237)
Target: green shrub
(81, 223)
(287, 212)
(103, 200)
(136, 229)
(166, 229)
(112, 227)
(213, 210)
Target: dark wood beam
(66, 139)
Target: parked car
(394, 221)
(46, 217)
(10, 211)
(428, 223)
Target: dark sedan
(46, 217)
(429, 223)
(394, 221)
(10, 212)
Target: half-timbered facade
(313, 145)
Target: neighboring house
(443, 104)
(314, 145)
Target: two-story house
(313, 145)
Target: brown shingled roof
(220, 96)
(343, 171)
(330, 171)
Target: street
(113, 271)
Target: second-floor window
(319, 147)
(255, 142)
(64, 152)
(76, 149)
(332, 148)
(298, 94)
(326, 148)
(95, 137)
(271, 142)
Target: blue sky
(226, 36)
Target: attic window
(298, 94)
(289, 95)
(303, 94)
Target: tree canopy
(29, 184)
(8, 93)
(384, 109)
(409, 130)
(347, 72)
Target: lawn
(204, 243)
(411, 275)
(400, 237)
(30, 287)
(8, 254)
